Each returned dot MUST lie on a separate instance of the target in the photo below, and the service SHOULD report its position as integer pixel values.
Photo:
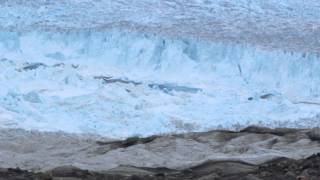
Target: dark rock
(267, 96)
(284, 168)
(122, 81)
(130, 141)
(251, 177)
(109, 80)
(314, 134)
(67, 171)
(75, 66)
(265, 130)
(59, 65)
(224, 168)
(33, 66)
(107, 146)
(103, 77)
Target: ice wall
(240, 84)
(296, 73)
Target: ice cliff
(59, 72)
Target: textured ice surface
(96, 67)
(286, 24)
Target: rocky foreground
(252, 153)
(283, 168)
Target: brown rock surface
(253, 153)
(278, 169)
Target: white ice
(67, 97)
(167, 81)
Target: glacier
(67, 71)
(50, 81)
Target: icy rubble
(49, 82)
